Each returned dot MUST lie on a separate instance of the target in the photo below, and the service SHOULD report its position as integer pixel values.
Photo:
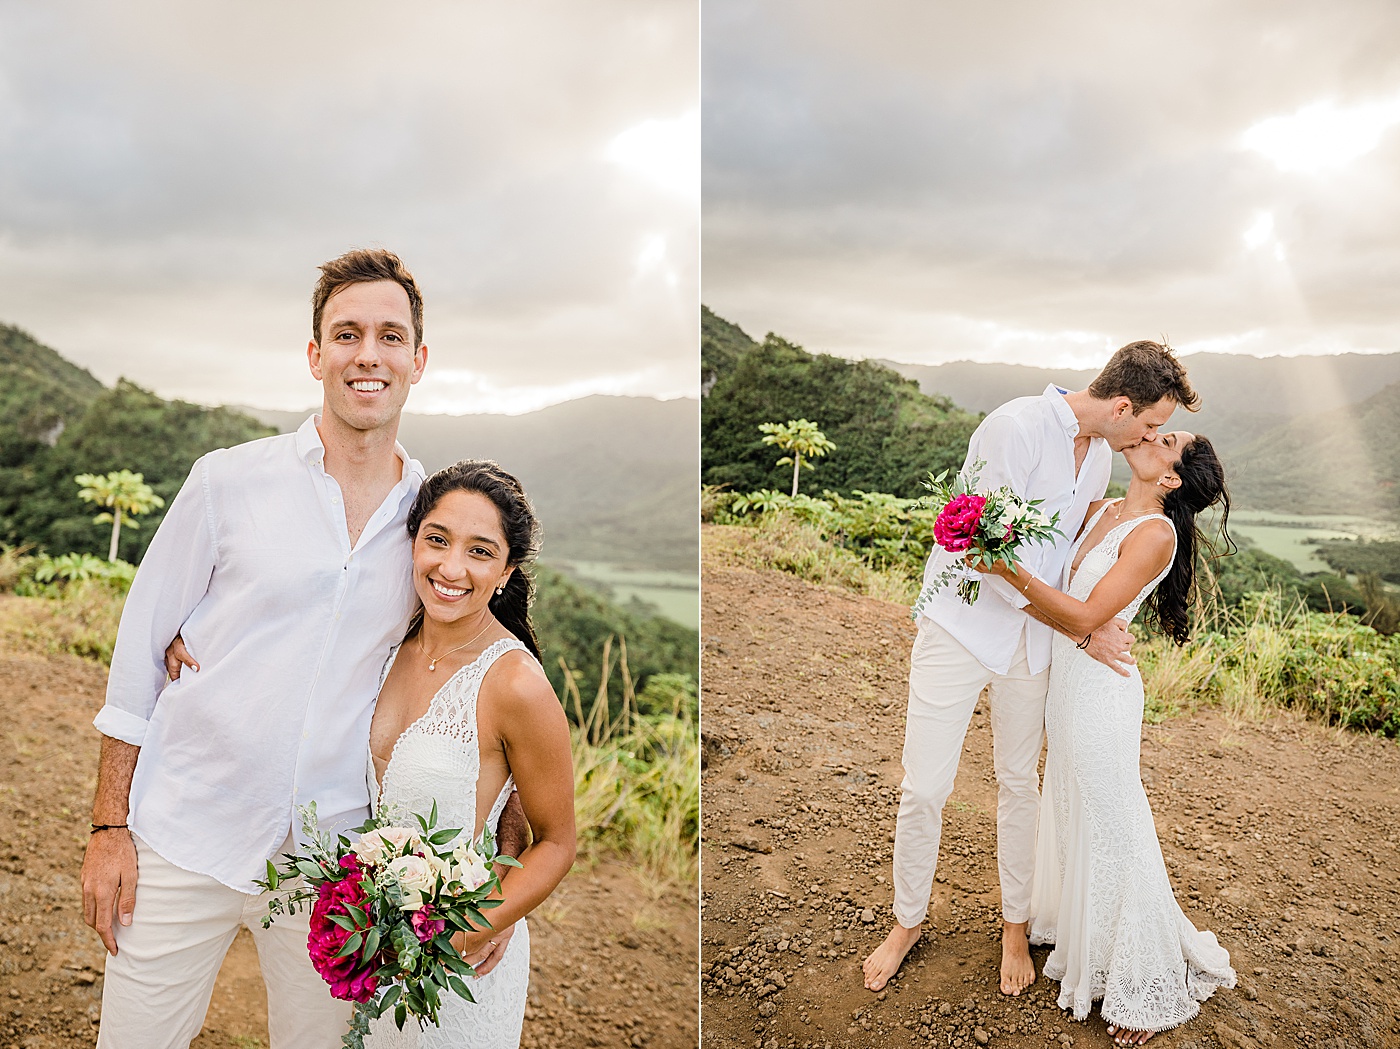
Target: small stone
(838, 936)
(980, 1036)
(945, 1010)
(867, 916)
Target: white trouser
(945, 680)
(157, 987)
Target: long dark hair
(519, 523)
(1202, 486)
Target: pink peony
(425, 926)
(956, 526)
(349, 978)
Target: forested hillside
(59, 421)
(888, 435)
(1345, 461)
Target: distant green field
(1287, 535)
(675, 594)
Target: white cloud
(1323, 135)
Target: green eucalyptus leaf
(460, 988)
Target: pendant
(432, 665)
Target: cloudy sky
(1041, 183)
(171, 175)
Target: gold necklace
(433, 661)
(1118, 514)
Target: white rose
(415, 877)
(468, 867)
(375, 847)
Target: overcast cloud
(1041, 183)
(171, 175)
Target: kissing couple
(1080, 866)
(363, 639)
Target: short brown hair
(1145, 372)
(363, 266)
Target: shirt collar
(312, 450)
(1063, 412)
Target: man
(1057, 447)
(285, 565)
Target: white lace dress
(1101, 893)
(437, 759)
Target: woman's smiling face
(460, 556)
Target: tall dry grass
(636, 778)
(784, 544)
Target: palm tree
(124, 493)
(801, 440)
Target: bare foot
(884, 961)
(1123, 1036)
(1017, 969)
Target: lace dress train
(1101, 893)
(437, 759)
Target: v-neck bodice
(437, 758)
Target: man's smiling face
(366, 359)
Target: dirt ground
(1281, 837)
(613, 964)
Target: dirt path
(612, 964)
(1283, 838)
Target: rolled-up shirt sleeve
(174, 575)
(1008, 454)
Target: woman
(1101, 893)
(464, 713)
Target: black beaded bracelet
(107, 826)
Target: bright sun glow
(1322, 135)
(665, 152)
(1260, 232)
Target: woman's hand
(178, 656)
(483, 950)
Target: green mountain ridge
(1242, 397)
(888, 434)
(611, 477)
(1308, 435)
(1343, 461)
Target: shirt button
(306, 735)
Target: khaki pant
(157, 987)
(945, 680)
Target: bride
(464, 714)
(1101, 893)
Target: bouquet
(992, 526)
(384, 910)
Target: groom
(285, 564)
(1057, 447)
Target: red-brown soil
(612, 963)
(1283, 837)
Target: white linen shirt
(253, 566)
(1027, 444)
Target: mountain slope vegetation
(888, 434)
